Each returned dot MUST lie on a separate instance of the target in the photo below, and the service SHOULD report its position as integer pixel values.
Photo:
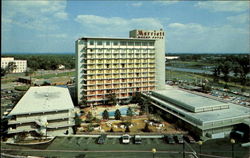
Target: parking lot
(87, 147)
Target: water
(189, 70)
(201, 71)
(122, 110)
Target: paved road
(112, 151)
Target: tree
(117, 114)
(3, 72)
(127, 129)
(216, 73)
(11, 67)
(225, 68)
(129, 112)
(111, 130)
(145, 105)
(146, 128)
(105, 115)
(244, 64)
(89, 117)
(137, 98)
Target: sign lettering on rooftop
(150, 34)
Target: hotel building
(21, 65)
(45, 110)
(120, 66)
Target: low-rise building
(44, 110)
(21, 65)
(200, 115)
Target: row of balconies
(125, 76)
(118, 50)
(89, 72)
(30, 118)
(114, 56)
(117, 81)
(100, 78)
(118, 66)
(91, 88)
(106, 58)
(121, 84)
(102, 97)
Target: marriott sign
(150, 34)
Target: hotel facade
(120, 66)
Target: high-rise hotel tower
(119, 66)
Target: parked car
(125, 139)
(189, 139)
(102, 139)
(137, 139)
(179, 139)
(169, 139)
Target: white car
(125, 139)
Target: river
(201, 71)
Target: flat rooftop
(189, 101)
(43, 99)
(211, 118)
(117, 38)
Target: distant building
(44, 110)
(200, 115)
(172, 57)
(21, 65)
(61, 67)
(119, 65)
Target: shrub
(127, 129)
(22, 88)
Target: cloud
(242, 18)
(37, 15)
(137, 4)
(224, 6)
(196, 38)
(63, 35)
(170, 2)
(98, 25)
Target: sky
(53, 26)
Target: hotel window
(144, 43)
(130, 43)
(91, 43)
(99, 43)
(107, 43)
(151, 43)
(137, 43)
(123, 43)
(115, 43)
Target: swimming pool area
(123, 111)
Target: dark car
(169, 139)
(189, 139)
(102, 139)
(137, 139)
(179, 139)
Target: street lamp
(232, 142)
(200, 144)
(153, 151)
